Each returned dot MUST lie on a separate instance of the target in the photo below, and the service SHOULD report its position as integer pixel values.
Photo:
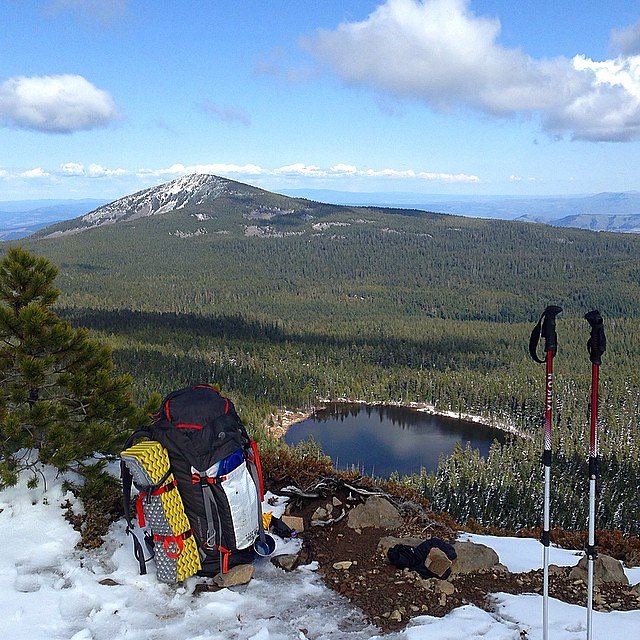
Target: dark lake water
(382, 439)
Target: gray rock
(320, 514)
(375, 512)
(445, 587)
(240, 574)
(286, 562)
(605, 569)
(294, 522)
(473, 557)
(437, 562)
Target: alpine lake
(381, 439)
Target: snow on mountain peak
(185, 191)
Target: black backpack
(217, 473)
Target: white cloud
(626, 41)
(344, 168)
(72, 169)
(179, 169)
(38, 172)
(349, 170)
(301, 169)
(92, 171)
(448, 177)
(54, 104)
(97, 171)
(610, 110)
(77, 173)
(440, 53)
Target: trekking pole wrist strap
(546, 328)
(597, 343)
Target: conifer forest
(384, 306)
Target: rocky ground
(352, 559)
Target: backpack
(215, 470)
(404, 556)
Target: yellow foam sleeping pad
(176, 552)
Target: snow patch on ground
(49, 590)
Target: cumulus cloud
(97, 171)
(230, 115)
(54, 104)
(626, 41)
(296, 172)
(441, 53)
(302, 170)
(180, 169)
(38, 172)
(348, 170)
(92, 171)
(72, 169)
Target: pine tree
(60, 401)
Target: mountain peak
(190, 190)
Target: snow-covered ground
(51, 591)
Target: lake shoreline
(285, 419)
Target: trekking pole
(596, 347)
(547, 326)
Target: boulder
(294, 522)
(376, 512)
(437, 562)
(473, 557)
(286, 561)
(605, 569)
(240, 574)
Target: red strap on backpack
(143, 494)
(177, 540)
(225, 559)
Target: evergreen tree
(60, 401)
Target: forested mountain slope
(243, 250)
(286, 301)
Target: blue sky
(476, 97)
